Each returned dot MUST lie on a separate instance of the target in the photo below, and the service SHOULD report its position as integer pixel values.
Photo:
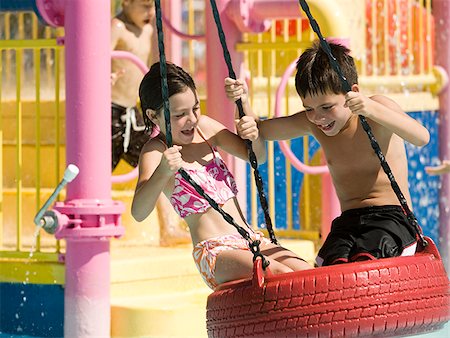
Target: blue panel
(280, 184)
(424, 189)
(32, 309)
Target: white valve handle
(70, 173)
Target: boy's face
(327, 112)
(140, 12)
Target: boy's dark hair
(150, 93)
(315, 73)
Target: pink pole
(94, 217)
(86, 295)
(441, 12)
(255, 15)
(173, 41)
(88, 120)
(88, 96)
(218, 106)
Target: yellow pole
(421, 50)
(374, 38)
(19, 160)
(1, 150)
(429, 45)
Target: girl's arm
(156, 166)
(220, 136)
(388, 113)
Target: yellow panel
(30, 271)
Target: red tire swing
(385, 297)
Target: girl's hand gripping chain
(171, 160)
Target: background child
(220, 252)
(372, 224)
(133, 30)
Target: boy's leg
(339, 242)
(386, 233)
(117, 129)
(137, 136)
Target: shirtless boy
(372, 224)
(132, 31)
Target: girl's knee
(279, 268)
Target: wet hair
(315, 73)
(150, 93)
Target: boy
(372, 224)
(133, 30)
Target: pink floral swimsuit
(215, 179)
(218, 183)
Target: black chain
(373, 142)
(253, 244)
(248, 143)
(163, 71)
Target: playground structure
(277, 51)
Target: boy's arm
(285, 128)
(282, 128)
(117, 27)
(388, 113)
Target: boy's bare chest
(138, 44)
(351, 153)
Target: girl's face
(327, 112)
(184, 113)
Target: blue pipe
(20, 6)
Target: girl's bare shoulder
(154, 144)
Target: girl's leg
(284, 256)
(238, 264)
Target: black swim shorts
(368, 233)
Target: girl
(220, 252)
